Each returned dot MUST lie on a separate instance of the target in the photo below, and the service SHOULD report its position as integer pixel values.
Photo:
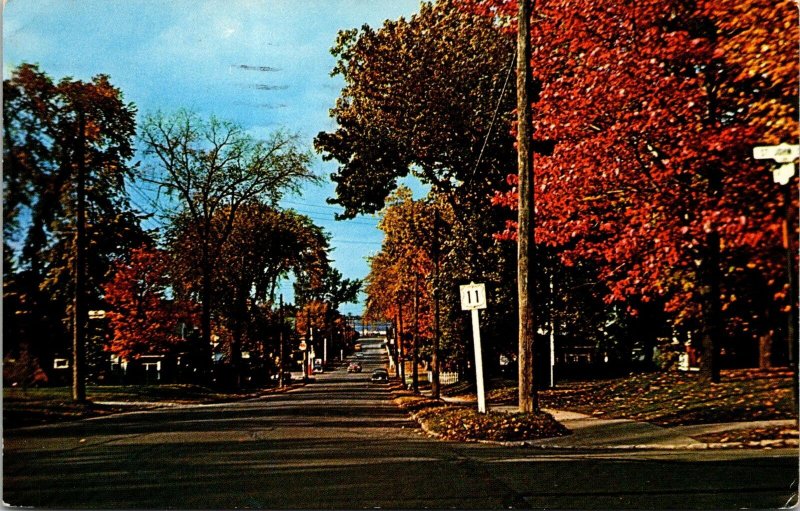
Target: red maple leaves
(142, 318)
(655, 113)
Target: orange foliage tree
(143, 320)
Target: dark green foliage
(41, 141)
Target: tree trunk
(240, 325)
(710, 297)
(528, 398)
(765, 351)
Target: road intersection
(340, 442)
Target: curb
(536, 444)
(139, 407)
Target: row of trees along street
(200, 286)
(654, 229)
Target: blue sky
(208, 55)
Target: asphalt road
(340, 443)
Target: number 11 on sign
(473, 298)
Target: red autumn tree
(654, 111)
(141, 317)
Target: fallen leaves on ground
(673, 398)
(459, 423)
(750, 435)
(410, 401)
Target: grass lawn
(50, 404)
(673, 398)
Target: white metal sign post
(473, 297)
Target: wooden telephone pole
(435, 386)
(79, 309)
(281, 347)
(528, 398)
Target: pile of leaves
(675, 398)
(459, 423)
(503, 395)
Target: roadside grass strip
(466, 424)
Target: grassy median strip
(461, 423)
(466, 424)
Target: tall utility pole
(791, 332)
(528, 398)
(415, 339)
(309, 340)
(79, 309)
(401, 356)
(280, 342)
(436, 333)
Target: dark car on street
(380, 376)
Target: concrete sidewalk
(593, 433)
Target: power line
(336, 240)
(311, 205)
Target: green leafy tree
(209, 170)
(422, 96)
(264, 246)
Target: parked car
(287, 377)
(354, 367)
(380, 376)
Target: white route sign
(473, 296)
(781, 153)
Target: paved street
(339, 442)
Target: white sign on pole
(781, 153)
(783, 174)
(473, 296)
(476, 335)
